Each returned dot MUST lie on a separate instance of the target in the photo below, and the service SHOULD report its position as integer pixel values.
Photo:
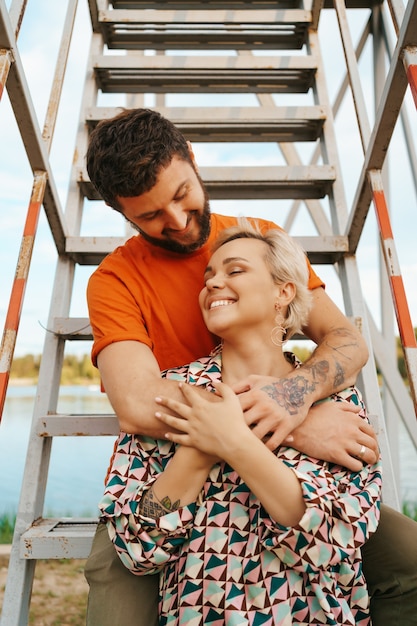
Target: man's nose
(176, 219)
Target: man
(145, 317)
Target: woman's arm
(222, 431)
(147, 534)
(179, 484)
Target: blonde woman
(241, 534)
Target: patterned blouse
(223, 561)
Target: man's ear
(192, 155)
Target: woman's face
(239, 291)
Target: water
(78, 464)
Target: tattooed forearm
(320, 373)
(150, 506)
(339, 377)
(290, 393)
(350, 342)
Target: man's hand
(273, 407)
(331, 431)
(335, 432)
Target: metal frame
(309, 183)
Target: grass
(59, 596)
(7, 522)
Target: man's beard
(203, 221)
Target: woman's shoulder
(203, 371)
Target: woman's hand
(210, 427)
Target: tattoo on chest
(150, 506)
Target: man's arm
(341, 350)
(132, 380)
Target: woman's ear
(286, 293)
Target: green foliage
(75, 369)
(400, 357)
(301, 352)
(7, 523)
(26, 366)
(410, 509)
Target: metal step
(296, 182)
(70, 425)
(131, 29)
(92, 250)
(213, 74)
(207, 5)
(58, 538)
(233, 4)
(244, 124)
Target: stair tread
(223, 74)
(135, 29)
(243, 124)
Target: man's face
(175, 213)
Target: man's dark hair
(126, 153)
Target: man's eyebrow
(178, 189)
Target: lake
(78, 464)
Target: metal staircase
(165, 54)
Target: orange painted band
(403, 314)
(32, 218)
(15, 305)
(412, 79)
(382, 214)
(4, 380)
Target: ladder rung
(73, 328)
(234, 4)
(208, 4)
(214, 74)
(201, 29)
(64, 425)
(261, 183)
(92, 250)
(222, 124)
(60, 538)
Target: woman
(240, 534)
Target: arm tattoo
(150, 506)
(290, 393)
(339, 377)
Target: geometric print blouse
(223, 561)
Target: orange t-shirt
(144, 293)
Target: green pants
(118, 597)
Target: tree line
(75, 370)
(79, 369)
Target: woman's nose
(214, 282)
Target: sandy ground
(59, 593)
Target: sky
(38, 45)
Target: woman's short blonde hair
(286, 261)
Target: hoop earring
(278, 332)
